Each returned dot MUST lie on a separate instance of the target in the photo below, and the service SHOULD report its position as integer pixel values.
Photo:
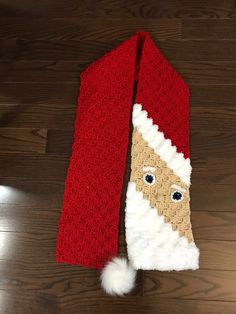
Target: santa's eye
(149, 178)
(177, 196)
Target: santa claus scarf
(157, 214)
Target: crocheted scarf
(157, 214)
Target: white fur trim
(163, 147)
(118, 277)
(151, 242)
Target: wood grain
(59, 141)
(23, 140)
(44, 46)
(63, 94)
(30, 196)
(209, 73)
(129, 9)
(88, 50)
(52, 167)
(150, 305)
(86, 29)
(216, 254)
(207, 225)
(52, 187)
(215, 285)
(210, 143)
(38, 115)
(41, 166)
(209, 29)
(212, 95)
(219, 255)
(211, 119)
(59, 94)
(222, 175)
(202, 143)
(47, 303)
(214, 225)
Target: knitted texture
(159, 194)
(88, 227)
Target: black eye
(177, 196)
(149, 178)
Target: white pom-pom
(118, 277)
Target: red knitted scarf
(88, 229)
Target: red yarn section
(88, 228)
(164, 95)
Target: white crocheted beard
(158, 227)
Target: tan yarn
(159, 194)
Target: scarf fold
(157, 219)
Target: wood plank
(60, 141)
(209, 180)
(197, 50)
(53, 167)
(53, 116)
(47, 303)
(44, 45)
(202, 73)
(214, 225)
(20, 196)
(207, 195)
(207, 225)
(89, 50)
(19, 268)
(66, 94)
(22, 302)
(212, 285)
(208, 187)
(30, 200)
(41, 71)
(209, 29)
(148, 304)
(38, 115)
(213, 119)
(218, 255)
(23, 140)
(60, 94)
(208, 143)
(36, 221)
(30, 279)
(207, 73)
(43, 201)
(40, 167)
(53, 278)
(26, 245)
(212, 96)
(118, 9)
(89, 29)
(19, 215)
(213, 184)
(222, 171)
(215, 254)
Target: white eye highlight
(149, 178)
(177, 196)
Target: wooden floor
(43, 47)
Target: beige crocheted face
(165, 191)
